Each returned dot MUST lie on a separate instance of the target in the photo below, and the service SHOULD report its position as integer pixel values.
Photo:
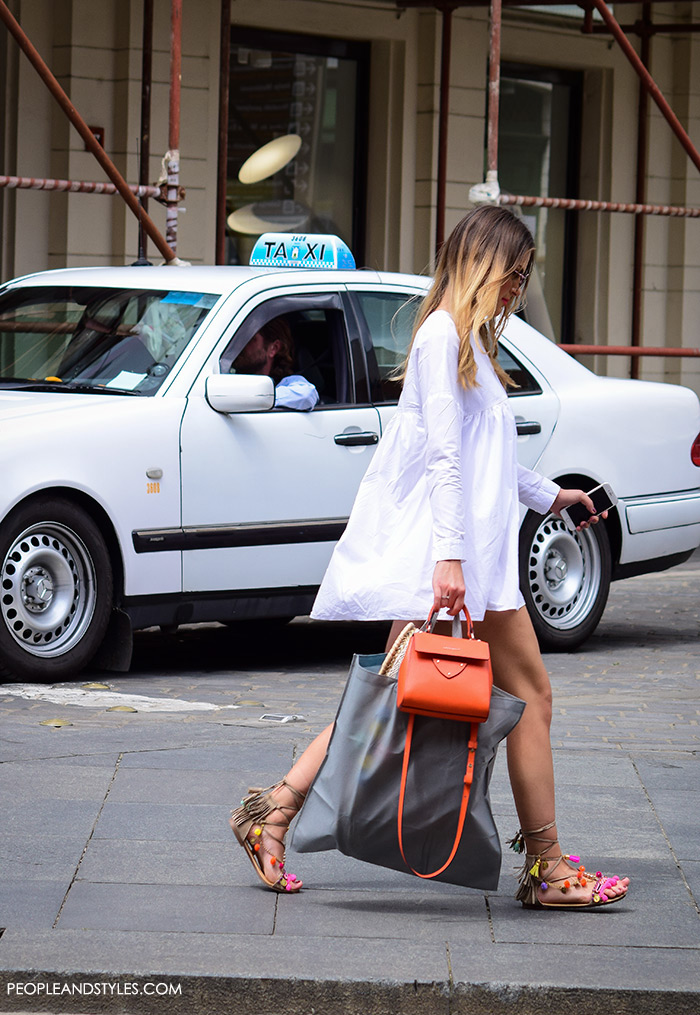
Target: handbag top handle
(432, 620)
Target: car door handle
(354, 440)
(527, 428)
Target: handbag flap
(445, 647)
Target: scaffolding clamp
(488, 192)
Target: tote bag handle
(468, 778)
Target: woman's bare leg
(303, 772)
(518, 668)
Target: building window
(538, 154)
(307, 95)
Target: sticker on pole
(308, 250)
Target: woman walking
(435, 523)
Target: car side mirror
(240, 392)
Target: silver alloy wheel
(564, 573)
(48, 589)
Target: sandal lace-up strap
(517, 843)
(530, 874)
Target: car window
(313, 332)
(389, 318)
(526, 383)
(116, 339)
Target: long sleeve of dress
(534, 491)
(438, 387)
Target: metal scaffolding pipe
(648, 81)
(627, 350)
(86, 134)
(222, 162)
(443, 126)
(574, 204)
(638, 29)
(640, 194)
(494, 96)
(146, 85)
(173, 155)
(72, 186)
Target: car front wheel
(56, 590)
(564, 578)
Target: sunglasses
(522, 276)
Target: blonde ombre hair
(480, 255)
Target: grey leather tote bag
(352, 805)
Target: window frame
(278, 306)
(324, 46)
(574, 80)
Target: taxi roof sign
(305, 250)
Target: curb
(211, 995)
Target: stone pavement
(123, 891)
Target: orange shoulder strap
(468, 778)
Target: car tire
(564, 579)
(56, 589)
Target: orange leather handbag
(445, 678)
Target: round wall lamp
(269, 158)
(268, 216)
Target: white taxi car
(144, 483)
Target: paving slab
(183, 787)
(163, 862)
(65, 818)
(46, 858)
(54, 780)
(227, 754)
(415, 918)
(191, 909)
(31, 903)
(198, 822)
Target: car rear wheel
(564, 578)
(55, 590)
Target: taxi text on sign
(287, 250)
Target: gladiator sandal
(250, 817)
(537, 870)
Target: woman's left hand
(448, 586)
(565, 498)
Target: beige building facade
(568, 120)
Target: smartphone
(603, 498)
(282, 718)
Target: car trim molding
(218, 537)
(663, 511)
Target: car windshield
(95, 339)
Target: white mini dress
(444, 484)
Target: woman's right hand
(448, 586)
(565, 498)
